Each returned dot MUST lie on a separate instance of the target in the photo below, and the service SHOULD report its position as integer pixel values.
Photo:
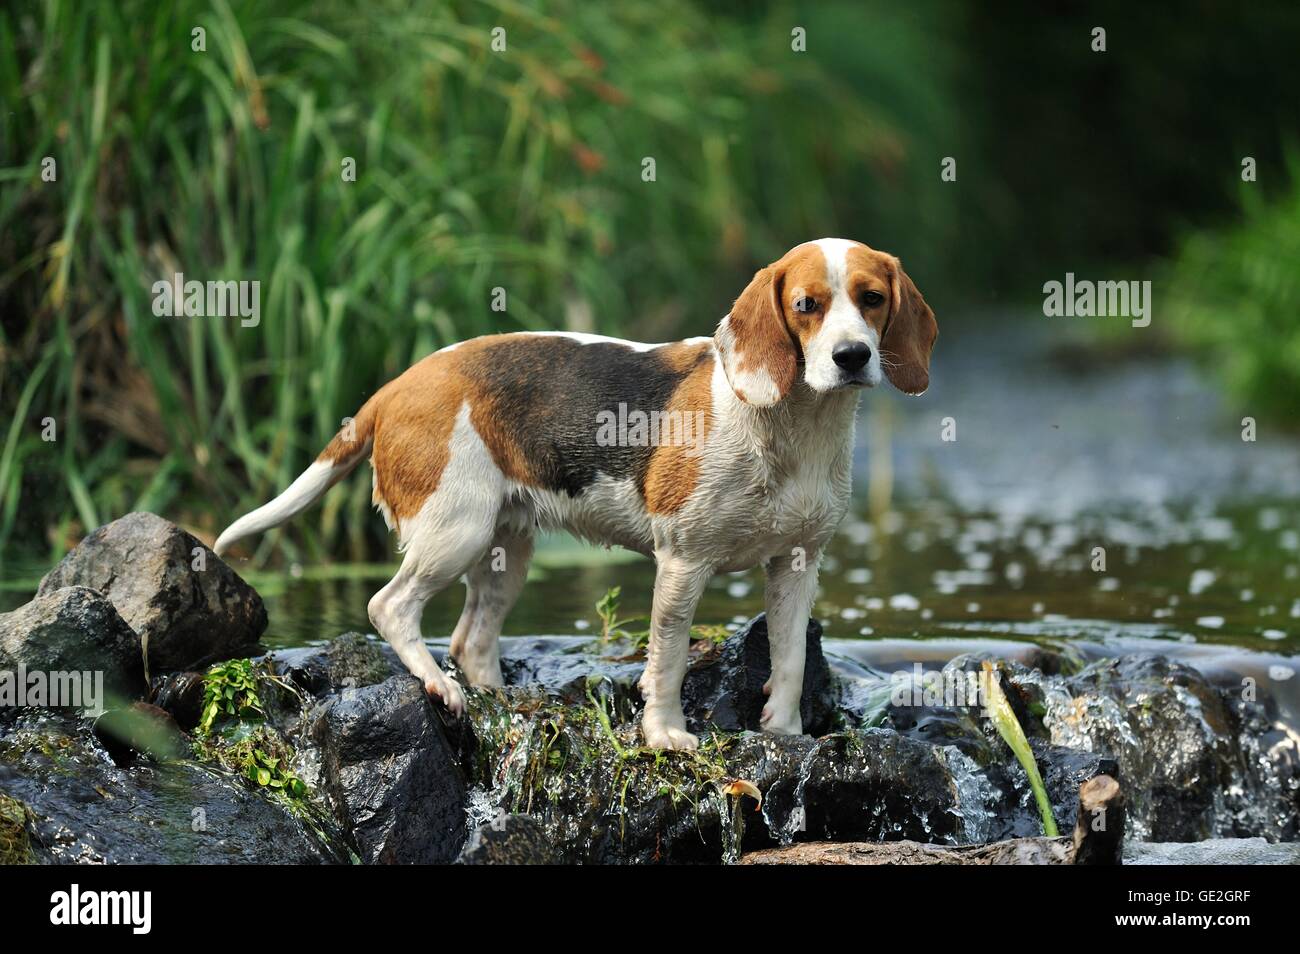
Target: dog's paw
(482, 675)
(448, 691)
(779, 721)
(667, 737)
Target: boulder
(83, 808)
(724, 688)
(1167, 728)
(391, 774)
(70, 630)
(181, 695)
(187, 606)
(865, 785)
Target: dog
(481, 443)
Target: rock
(560, 665)
(997, 797)
(181, 695)
(185, 617)
(864, 785)
(725, 687)
(350, 661)
(1167, 728)
(86, 809)
(510, 840)
(70, 630)
(142, 729)
(1215, 851)
(1265, 801)
(391, 774)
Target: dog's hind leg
(447, 536)
(491, 588)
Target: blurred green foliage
(1236, 296)
(523, 169)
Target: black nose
(853, 356)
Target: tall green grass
(475, 169)
(1236, 298)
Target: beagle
(479, 444)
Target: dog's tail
(350, 446)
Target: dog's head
(836, 312)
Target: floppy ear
(758, 353)
(909, 335)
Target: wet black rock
(1266, 799)
(866, 785)
(73, 630)
(350, 661)
(725, 687)
(85, 808)
(510, 840)
(1167, 728)
(187, 606)
(564, 667)
(391, 774)
(181, 695)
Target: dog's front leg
(678, 585)
(791, 586)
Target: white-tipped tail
(302, 493)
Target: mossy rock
(15, 843)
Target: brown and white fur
(481, 443)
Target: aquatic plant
(259, 755)
(229, 689)
(1004, 720)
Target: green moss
(537, 754)
(15, 843)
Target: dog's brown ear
(758, 353)
(909, 335)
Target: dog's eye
(871, 299)
(805, 304)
